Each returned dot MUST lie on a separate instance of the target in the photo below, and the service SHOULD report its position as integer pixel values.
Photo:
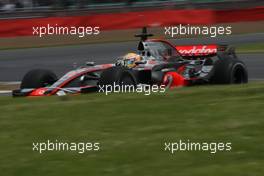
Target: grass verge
(250, 48)
(132, 129)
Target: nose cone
(38, 92)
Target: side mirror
(90, 63)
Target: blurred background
(18, 16)
(26, 8)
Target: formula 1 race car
(157, 62)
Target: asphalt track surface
(15, 63)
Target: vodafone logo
(197, 49)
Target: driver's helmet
(129, 60)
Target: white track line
(10, 83)
(5, 91)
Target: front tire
(38, 78)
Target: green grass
(132, 129)
(250, 48)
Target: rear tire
(230, 71)
(38, 78)
(117, 75)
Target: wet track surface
(15, 63)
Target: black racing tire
(229, 70)
(38, 78)
(117, 75)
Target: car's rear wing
(200, 50)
